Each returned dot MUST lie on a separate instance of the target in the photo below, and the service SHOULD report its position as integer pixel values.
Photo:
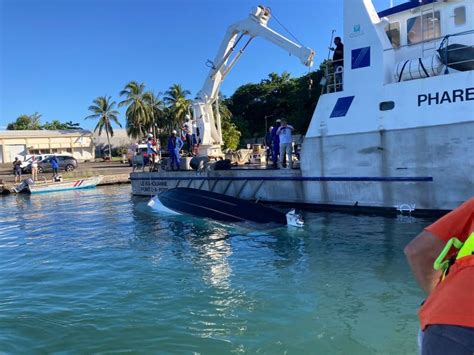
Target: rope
(286, 29)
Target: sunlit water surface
(99, 271)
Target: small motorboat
(220, 207)
(60, 184)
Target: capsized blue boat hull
(206, 204)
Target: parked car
(29, 159)
(66, 163)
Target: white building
(79, 143)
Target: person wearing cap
(17, 169)
(276, 144)
(174, 146)
(187, 133)
(150, 150)
(285, 132)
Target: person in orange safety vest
(447, 315)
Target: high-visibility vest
(463, 250)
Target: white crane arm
(254, 26)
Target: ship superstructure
(399, 129)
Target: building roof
(45, 133)
(119, 139)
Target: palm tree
(138, 115)
(178, 104)
(103, 110)
(156, 109)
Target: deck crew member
(338, 62)
(447, 315)
(151, 151)
(285, 133)
(188, 136)
(269, 143)
(174, 146)
(276, 143)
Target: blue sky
(56, 56)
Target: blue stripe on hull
(296, 178)
(66, 189)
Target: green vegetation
(230, 133)
(255, 106)
(33, 122)
(56, 125)
(103, 110)
(177, 104)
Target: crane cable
(286, 29)
(310, 80)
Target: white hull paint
(74, 184)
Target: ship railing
(332, 80)
(444, 41)
(448, 53)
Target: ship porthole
(386, 105)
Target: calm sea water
(98, 271)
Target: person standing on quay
(442, 259)
(285, 133)
(34, 168)
(54, 165)
(17, 169)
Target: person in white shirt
(284, 132)
(34, 169)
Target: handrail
(333, 78)
(430, 40)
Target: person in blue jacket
(54, 165)
(174, 146)
(276, 143)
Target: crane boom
(207, 118)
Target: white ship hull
(427, 168)
(437, 163)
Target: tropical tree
(103, 110)
(278, 96)
(26, 122)
(178, 104)
(230, 133)
(156, 109)
(139, 119)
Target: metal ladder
(432, 44)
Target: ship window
(393, 33)
(459, 16)
(386, 105)
(423, 28)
